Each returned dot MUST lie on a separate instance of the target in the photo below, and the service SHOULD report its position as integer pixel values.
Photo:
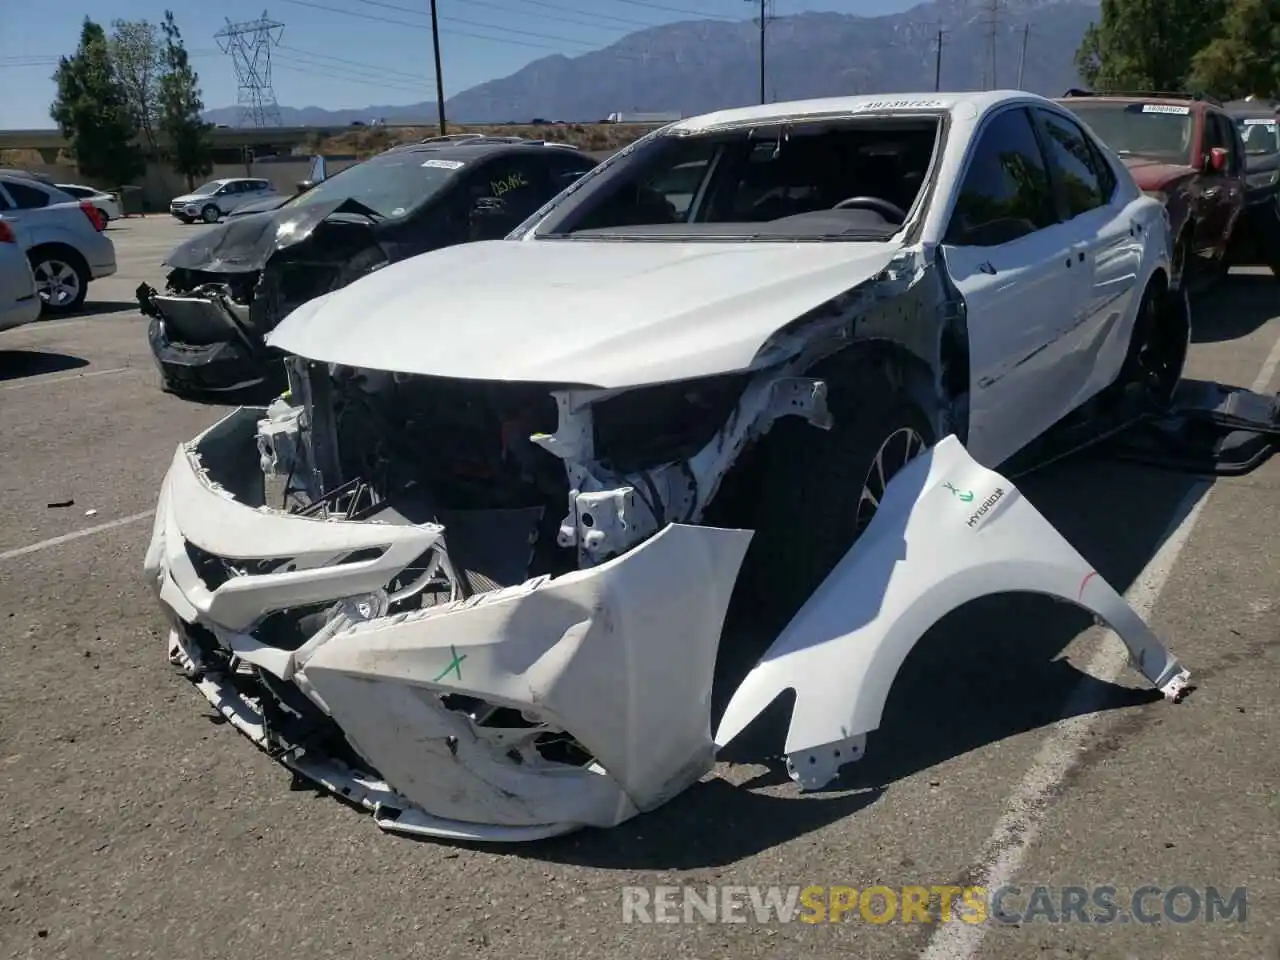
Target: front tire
(210, 214)
(821, 489)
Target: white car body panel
(618, 655)
(19, 302)
(668, 311)
(948, 531)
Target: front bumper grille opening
(553, 746)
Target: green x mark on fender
(965, 495)
(455, 665)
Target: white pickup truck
(64, 239)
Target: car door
(231, 196)
(1012, 261)
(1216, 195)
(1108, 257)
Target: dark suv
(1185, 151)
(232, 283)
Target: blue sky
(376, 52)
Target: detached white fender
(948, 531)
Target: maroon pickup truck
(1187, 153)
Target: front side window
(1156, 131)
(206, 189)
(849, 179)
(1075, 162)
(1006, 191)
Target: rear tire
(62, 279)
(820, 488)
(1158, 344)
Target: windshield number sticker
(444, 164)
(504, 186)
(1260, 122)
(1166, 108)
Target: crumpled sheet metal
(948, 531)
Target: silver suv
(217, 198)
(62, 238)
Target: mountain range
(701, 65)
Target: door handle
(1212, 193)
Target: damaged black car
(234, 282)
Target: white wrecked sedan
(472, 571)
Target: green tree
(137, 57)
(92, 111)
(1147, 44)
(190, 145)
(1245, 59)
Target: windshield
(1155, 130)
(205, 189)
(1261, 135)
(843, 180)
(390, 185)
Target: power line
(598, 16)
(249, 44)
(363, 65)
(478, 23)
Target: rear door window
(1075, 164)
(26, 197)
(1006, 192)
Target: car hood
(243, 244)
(1153, 174)
(593, 313)
(191, 198)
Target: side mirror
(491, 219)
(1218, 159)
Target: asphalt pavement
(1017, 750)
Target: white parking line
(75, 376)
(1029, 804)
(68, 537)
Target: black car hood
(246, 243)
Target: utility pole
(1022, 60)
(991, 36)
(435, 43)
(937, 65)
(763, 23)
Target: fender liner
(948, 531)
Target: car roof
(1259, 109)
(39, 178)
(470, 148)
(970, 103)
(1192, 101)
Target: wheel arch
(60, 249)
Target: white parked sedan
(473, 570)
(105, 201)
(19, 301)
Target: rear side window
(1076, 163)
(80, 192)
(26, 197)
(1005, 194)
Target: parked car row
(1190, 153)
(542, 453)
(61, 238)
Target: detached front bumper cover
(617, 658)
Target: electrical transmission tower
(249, 43)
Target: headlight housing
(663, 423)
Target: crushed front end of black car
(231, 285)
